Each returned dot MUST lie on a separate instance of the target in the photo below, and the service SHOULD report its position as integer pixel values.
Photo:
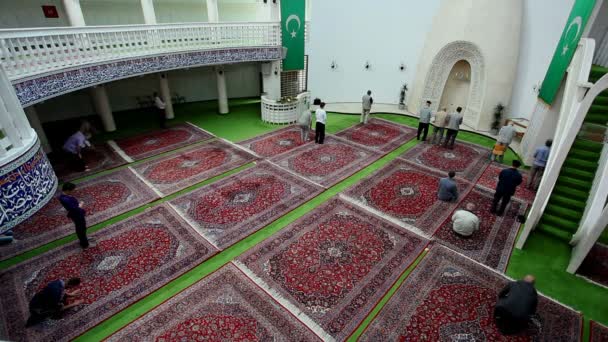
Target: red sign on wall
(50, 11)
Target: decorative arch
(439, 71)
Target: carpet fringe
(391, 219)
(147, 182)
(295, 174)
(199, 128)
(300, 315)
(120, 152)
(192, 224)
(243, 148)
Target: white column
(212, 11)
(275, 10)
(222, 94)
(16, 115)
(103, 108)
(32, 116)
(271, 79)
(147, 8)
(165, 94)
(74, 12)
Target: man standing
(464, 222)
(160, 108)
(367, 106)
(305, 121)
(73, 148)
(453, 126)
(424, 120)
(516, 306)
(541, 155)
(75, 212)
(52, 300)
(508, 180)
(438, 126)
(505, 137)
(321, 118)
(448, 190)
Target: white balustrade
(601, 52)
(28, 52)
(276, 112)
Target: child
(498, 152)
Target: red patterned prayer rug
(98, 159)
(229, 210)
(450, 298)
(224, 306)
(408, 193)
(329, 163)
(130, 260)
(595, 265)
(379, 134)
(467, 160)
(153, 143)
(276, 142)
(332, 266)
(489, 179)
(190, 166)
(597, 332)
(493, 242)
(104, 197)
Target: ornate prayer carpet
(450, 298)
(333, 265)
(408, 193)
(237, 206)
(131, 259)
(467, 160)
(181, 170)
(595, 265)
(489, 179)
(493, 242)
(597, 332)
(329, 163)
(156, 142)
(104, 197)
(276, 142)
(379, 134)
(101, 158)
(224, 306)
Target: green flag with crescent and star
(581, 11)
(292, 29)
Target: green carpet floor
(542, 256)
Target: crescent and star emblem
(289, 19)
(578, 21)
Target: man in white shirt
(160, 107)
(321, 118)
(367, 106)
(453, 125)
(505, 137)
(424, 120)
(464, 222)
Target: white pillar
(222, 94)
(32, 116)
(212, 11)
(275, 10)
(103, 108)
(147, 8)
(74, 12)
(16, 115)
(165, 94)
(271, 79)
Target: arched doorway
(456, 90)
(439, 72)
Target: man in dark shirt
(508, 180)
(75, 212)
(51, 301)
(515, 306)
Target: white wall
(243, 11)
(28, 13)
(352, 32)
(180, 11)
(112, 12)
(197, 84)
(541, 29)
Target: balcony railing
(28, 52)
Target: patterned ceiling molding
(38, 89)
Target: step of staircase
(571, 193)
(560, 222)
(597, 118)
(587, 145)
(555, 232)
(574, 183)
(577, 173)
(581, 164)
(557, 210)
(584, 155)
(574, 203)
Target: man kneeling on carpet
(53, 300)
(448, 190)
(516, 306)
(464, 222)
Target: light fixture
(367, 65)
(402, 66)
(333, 65)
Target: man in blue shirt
(508, 180)
(448, 190)
(51, 301)
(541, 155)
(75, 212)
